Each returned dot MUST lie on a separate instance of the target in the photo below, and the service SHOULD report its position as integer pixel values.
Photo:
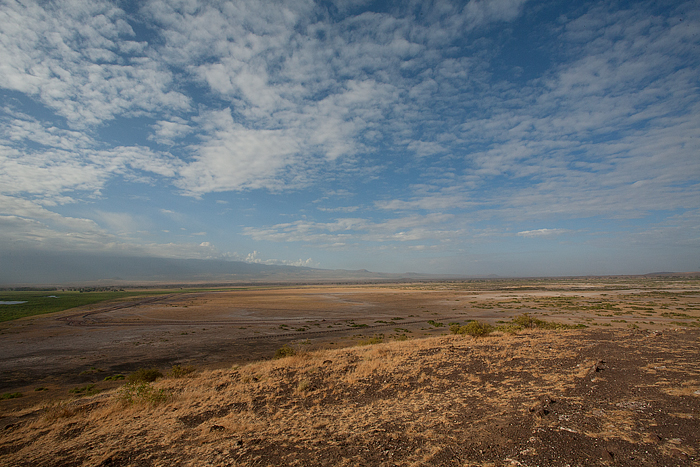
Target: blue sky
(504, 137)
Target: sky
(509, 137)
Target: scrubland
(530, 373)
(538, 397)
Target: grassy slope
(438, 401)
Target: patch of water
(13, 302)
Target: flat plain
(373, 376)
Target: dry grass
(438, 401)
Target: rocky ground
(537, 398)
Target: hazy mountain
(65, 269)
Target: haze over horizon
(506, 137)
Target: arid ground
(376, 379)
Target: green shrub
(87, 390)
(285, 351)
(142, 392)
(10, 395)
(528, 322)
(115, 378)
(372, 340)
(435, 324)
(144, 375)
(91, 371)
(179, 371)
(525, 321)
(473, 328)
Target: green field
(39, 303)
(51, 301)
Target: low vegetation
(115, 377)
(142, 393)
(424, 402)
(285, 351)
(518, 323)
(87, 390)
(180, 371)
(144, 375)
(473, 328)
(378, 339)
(41, 302)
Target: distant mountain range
(71, 269)
(30, 269)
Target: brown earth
(625, 391)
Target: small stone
(546, 400)
(678, 454)
(216, 428)
(541, 408)
(607, 455)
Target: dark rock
(217, 428)
(546, 400)
(607, 455)
(541, 407)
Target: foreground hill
(554, 398)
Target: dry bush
(57, 410)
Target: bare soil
(624, 391)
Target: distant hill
(69, 269)
(672, 274)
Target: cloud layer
(446, 128)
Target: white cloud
(66, 54)
(119, 222)
(255, 258)
(167, 132)
(542, 233)
(50, 173)
(344, 230)
(26, 226)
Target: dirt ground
(60, 351)
(624, 391)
